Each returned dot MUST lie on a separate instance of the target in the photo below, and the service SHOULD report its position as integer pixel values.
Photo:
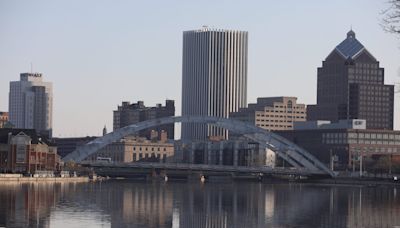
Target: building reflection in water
(26, 205)
(159, 204)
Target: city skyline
(79, 68)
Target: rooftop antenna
(31, 68)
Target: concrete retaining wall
(44, 179)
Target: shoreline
(354, 181)
(43, 179)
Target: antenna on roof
(31, 68)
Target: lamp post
(361, 162)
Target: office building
(272, 113)
(351, 86)
(31, 103)
(346, 143)
(128, 114)
(214, 78)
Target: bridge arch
(290, 152)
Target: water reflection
(156, 204)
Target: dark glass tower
(351, 86)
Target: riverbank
(354, 181)
(4, 178)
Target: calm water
(181, 204)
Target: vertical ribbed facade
(214, 78)
(31, 103)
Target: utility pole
(361, 160)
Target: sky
(99, 53)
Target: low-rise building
(135, 149)
(67, 145)
(347, 144)
(272, 113)
(224, 152)
(24, 151)
(3, 119)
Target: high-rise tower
(351, 86)
(214, 78)
(31, 103)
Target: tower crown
(351, 34)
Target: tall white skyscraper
(31, 103)
(214, 78)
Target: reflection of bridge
(290, 152)
(183, 169)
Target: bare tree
(391, 17)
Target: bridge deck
(206, 168)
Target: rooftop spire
(104, 130)
(351, 34)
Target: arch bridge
(290, 152)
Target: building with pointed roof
(351, 86)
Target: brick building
(24, 151)
(3, 119)
(128, 114)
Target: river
(124, 203)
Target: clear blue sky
(99, 53)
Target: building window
(289, 104)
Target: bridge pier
(235, 153)
(221, 153)
(209, 152)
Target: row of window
(366, 65)
(134, 148)
(272, 125)
(374, 150)
(288, 106)
(365, 71)
(276, 121)
(281, 116)
(353, 135)
(361, 141)
(147, 149)
(148, 155)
